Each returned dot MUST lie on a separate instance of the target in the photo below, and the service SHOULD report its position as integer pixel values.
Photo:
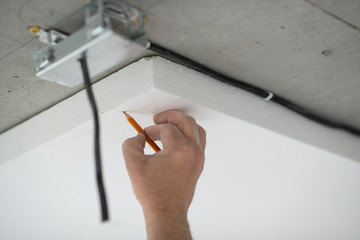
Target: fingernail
(197, 136)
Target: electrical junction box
(113, 31)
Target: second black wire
(99, 178)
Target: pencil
(140, 130)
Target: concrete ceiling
(305, 50)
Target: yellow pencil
(140, 130)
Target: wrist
(165, 214)
(167, 224)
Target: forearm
(167, 225)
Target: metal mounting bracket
(113, 31)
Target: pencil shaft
(140, 130)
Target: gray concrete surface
(346, 11)
(305, 50)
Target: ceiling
(256, 183)
(305, 50)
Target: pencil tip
(123, 111)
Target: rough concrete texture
(277, 45)
(22, 94)
(306, 51)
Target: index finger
(168, 134)
(185, 123)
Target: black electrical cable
(99, 179)
(201, 68)
(296, 108)
(250, 88)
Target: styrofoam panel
(256, 184)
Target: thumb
(133, 149)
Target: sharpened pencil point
(123, 111)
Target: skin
(164, 183)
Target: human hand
(165, 181)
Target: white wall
(256, 184)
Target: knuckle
(192, 156)
(190, 151)
(186, 150)
(191, 119)
(182, 117)
(170, 129)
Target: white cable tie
(269, 97)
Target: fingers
(185, 123)
(168, 134)
(133, 149)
